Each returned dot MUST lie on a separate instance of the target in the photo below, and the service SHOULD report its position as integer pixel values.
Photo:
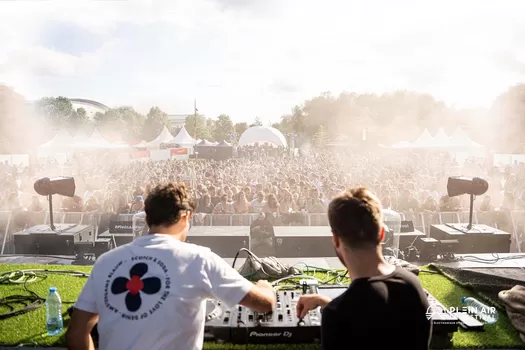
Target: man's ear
(335, 240)
(382, 234)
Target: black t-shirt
(382, 312)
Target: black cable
(336, 277)
(32, 301)
(495, 258)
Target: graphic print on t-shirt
(137, 288)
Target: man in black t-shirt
(384, 306)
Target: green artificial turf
(29, 329)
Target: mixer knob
(240, 308)
(226, 319)
(278, 305)
(288, 311)
(280, 318)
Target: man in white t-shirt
(151, 293)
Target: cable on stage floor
(32, 300)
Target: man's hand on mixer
(264, 284)
(261, 297)
(309, 302)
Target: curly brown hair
(355, 217)
(165, 204)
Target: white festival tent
(261, 135)
(141, 144)
(441, 139)
(164, 137)
(183, 139)
(81, 137)
(61, 141)
(422, 141)
(97, 141)
(461, 139)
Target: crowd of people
(277, 184)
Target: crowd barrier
(12, 222)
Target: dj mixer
(240, 325)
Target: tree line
(383, 118)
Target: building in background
(176, 120)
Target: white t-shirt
(151, 293)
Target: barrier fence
(12, 222)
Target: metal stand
(51, 223)
(471, 213)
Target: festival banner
(139, 154)
(179, 153)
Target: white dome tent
(261, 135)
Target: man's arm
(84, 318)
(78, 336)
(226, 284)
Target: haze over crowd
(259, 59)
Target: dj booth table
(28, 328)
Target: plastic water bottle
(54, 322)
(480, 311)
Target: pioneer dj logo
(284, 334)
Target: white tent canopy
(424, 140)
(62, 140)
(81, 137)
(183, 138)
(97, 141)
(460, 138)
(141, 144)
(262, 134)
(164, 137)
(441, 138)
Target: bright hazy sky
(259, 57)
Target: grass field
(29, 328)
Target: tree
(239, 129)
(223, 128)
(122, 122)
(257, 122)
(78, 119)
(320, 138)
(56, 110)
(155, 121)
(200, 124)
(508, 118)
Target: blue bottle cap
(463, 299)
(52, 289)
